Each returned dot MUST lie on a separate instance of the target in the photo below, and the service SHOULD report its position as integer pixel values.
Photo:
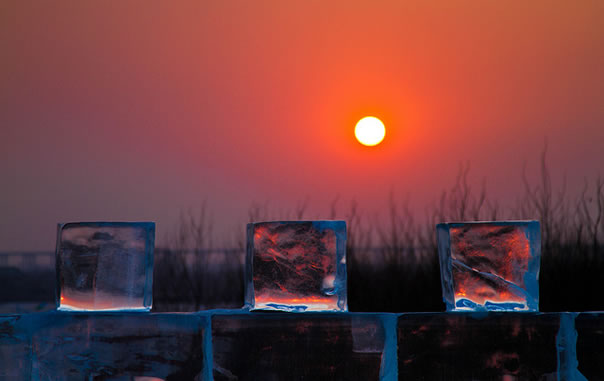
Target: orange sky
(134, 111)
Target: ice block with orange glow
(105, 266)
(490, 265)
(296, 266)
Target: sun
(370, 131)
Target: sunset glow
(264, 107)
(370, 131)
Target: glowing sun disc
(370, 131)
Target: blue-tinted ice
(242, 345)
(296, 266)
(490, 265)
(124, 346)
(590, 346)
(15, 349)
(105, 266)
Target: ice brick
(490, 265)
(311, 346)
(296, 266)
(478, 346)
(15, 349)
(105, 266)
(590, 345)
(125, 346)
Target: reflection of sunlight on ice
(85, 301)
(311, 303)
(328, 286)
(489, 264)
(297, 265)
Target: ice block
(590, 346)
(490, 265)
(480, 346)
(118, 346)
(296, 266)
(15, 348)
(105, 266)
(311, 346)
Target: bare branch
(333, 207)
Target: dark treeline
(393, 262)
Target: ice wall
(242, 345)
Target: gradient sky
(137, 110)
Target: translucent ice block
(118, 346)
(296, 266)
(311, 346)
(105, 266)
(480, 346)
(490, 265)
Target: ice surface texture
(481, 346)
(112, 346)
(590, 346)
(15, 348)
(312, 346)
(105, 266)
(490, 265)
(261, 345)
(296, 266)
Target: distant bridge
(45, 260)
(28, 261)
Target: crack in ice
(490, 275)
